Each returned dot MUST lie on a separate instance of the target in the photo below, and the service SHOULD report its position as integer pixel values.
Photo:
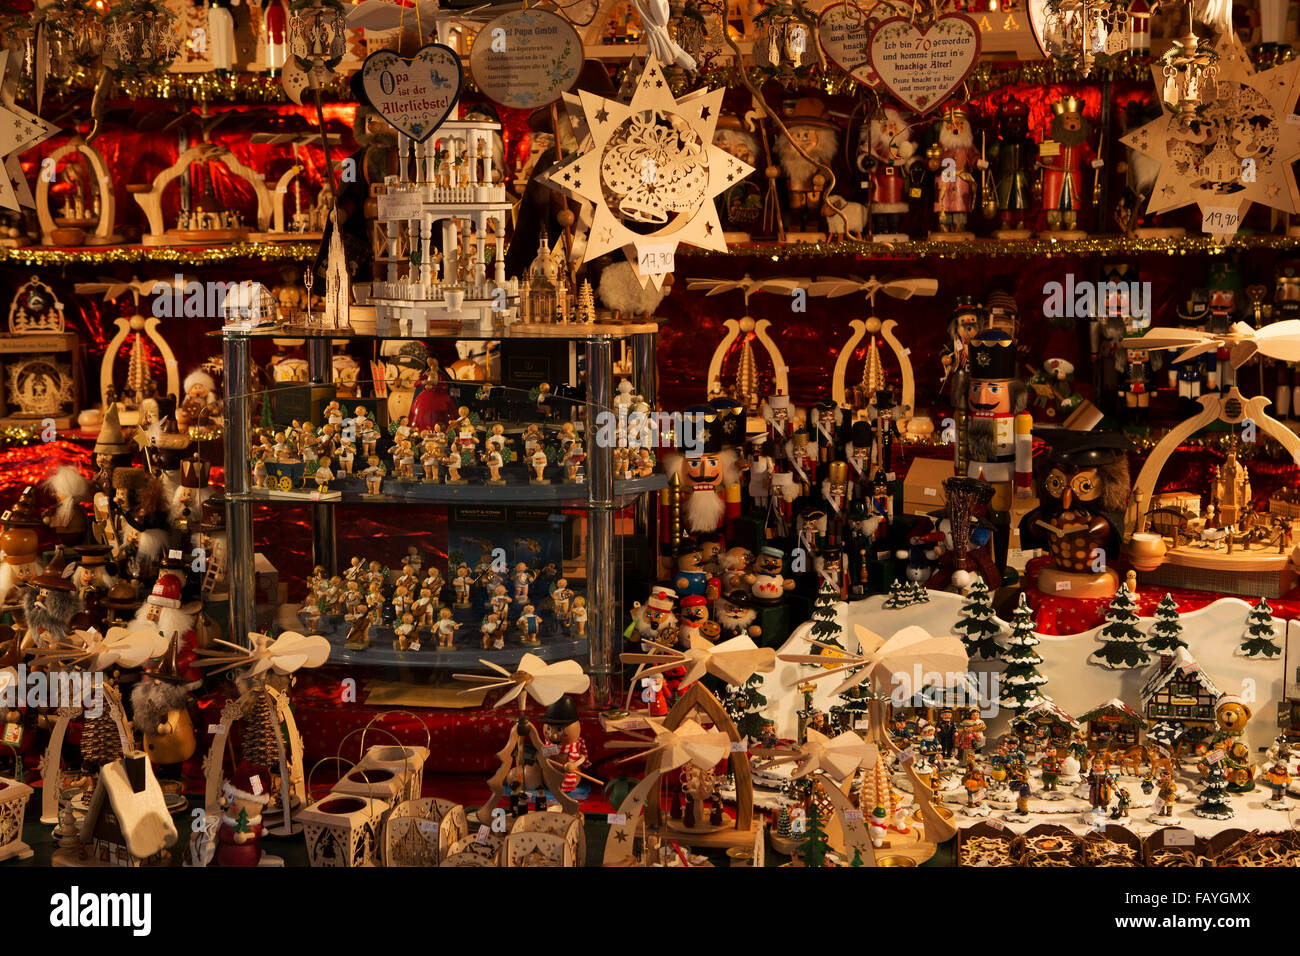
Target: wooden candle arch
(839, 391)
(52, 762)
(103, 234)
(151, 201)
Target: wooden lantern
(343, 830)
(406, 764)
(534, 848)
(422, 832)
(566, 825)
(13, 805)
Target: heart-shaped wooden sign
(413, 95)
(844, 34)
(921, 68)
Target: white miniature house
(447, 211)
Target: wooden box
(923, 485)
(62, 350)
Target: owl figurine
(1084, 492)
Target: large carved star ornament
(1234, 151)
(19, 131)
(651, 174)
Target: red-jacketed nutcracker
(710, 487)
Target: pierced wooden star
(19, 131)
(651, 174)
(1234, 151)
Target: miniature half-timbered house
(128, 823)
(1113, 724)
(1180, 693)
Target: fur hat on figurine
(248, 782)
(199, 379)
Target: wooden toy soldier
(490, 628)
(530, 626)
(462, 583)
(373, 475)
(561, 599)
(446, 628)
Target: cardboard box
(923, 486)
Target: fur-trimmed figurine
(951, 159)
(67, 519)
(814, 134)
(711, 486)
(160, 705)
(201, 404)
(49, 603)
(620, 291)
(886, 154)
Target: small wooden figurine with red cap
(243, 796)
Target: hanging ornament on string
(317, 42)
(19, 131)
(1229, 143)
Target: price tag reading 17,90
(656, 259)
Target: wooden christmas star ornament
(19, 131)
(1233, 151)
(651, 173)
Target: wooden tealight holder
(13, 805)
(103, 234)
(150, 201)
(343, 830)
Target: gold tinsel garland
(180, 255)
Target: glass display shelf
(352, 492)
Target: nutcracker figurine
(886, 155)
(997, 399)
(1013, 170)
(951, 159)
(1063, 156)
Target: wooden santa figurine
(243, 797)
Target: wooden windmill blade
(785, 285)
(832, 287)
(1281, 340)
(906, 288)
(718, 286)
(545, 683)
(1166, 338)
(738, 659)
(691, 742)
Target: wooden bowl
(68, 236)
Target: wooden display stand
(52, 762)
(151, 201)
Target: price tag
(1293, 119)
(1177, 836)
(1214, 756)
(932, 492)
(1049, 148)
(997, 824)
(428, 827)
(854, 816)
(256, 782)
(550, 750)
(891, 476)
(907, 756)
(483, 832)
(1062, 585)
(739, 746)
(656, 259)
(216, 729)
(1220, 220)
(126, 743)
(616, 819)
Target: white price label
(1220, 220)
(1293, 119)
(483, 832)
(616, 819)
(997, 824)
(216, 728)
(550, 750)
(428, 827)
(1214, 756)
(932, 492)
(1177, 836)
(854, 816)
(891, 477)
(739, 746)
(656, 259)
(907, 756)
(256, 782)
(1062, 585)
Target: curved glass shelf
(465, 658)
(352, 492)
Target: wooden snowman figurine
(243, 797)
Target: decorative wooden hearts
(413, 95)
(844, 34)
(921, 68)
(526, 58)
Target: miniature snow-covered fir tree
(1258, 641)
(898, 596)
(977, 627)
(1167, 632)
(825, 627)
(1215, 803)
(1121, 638)
(1020, 680)
(815, 847)
(744, 705)
(783, 824)
(918, 593)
